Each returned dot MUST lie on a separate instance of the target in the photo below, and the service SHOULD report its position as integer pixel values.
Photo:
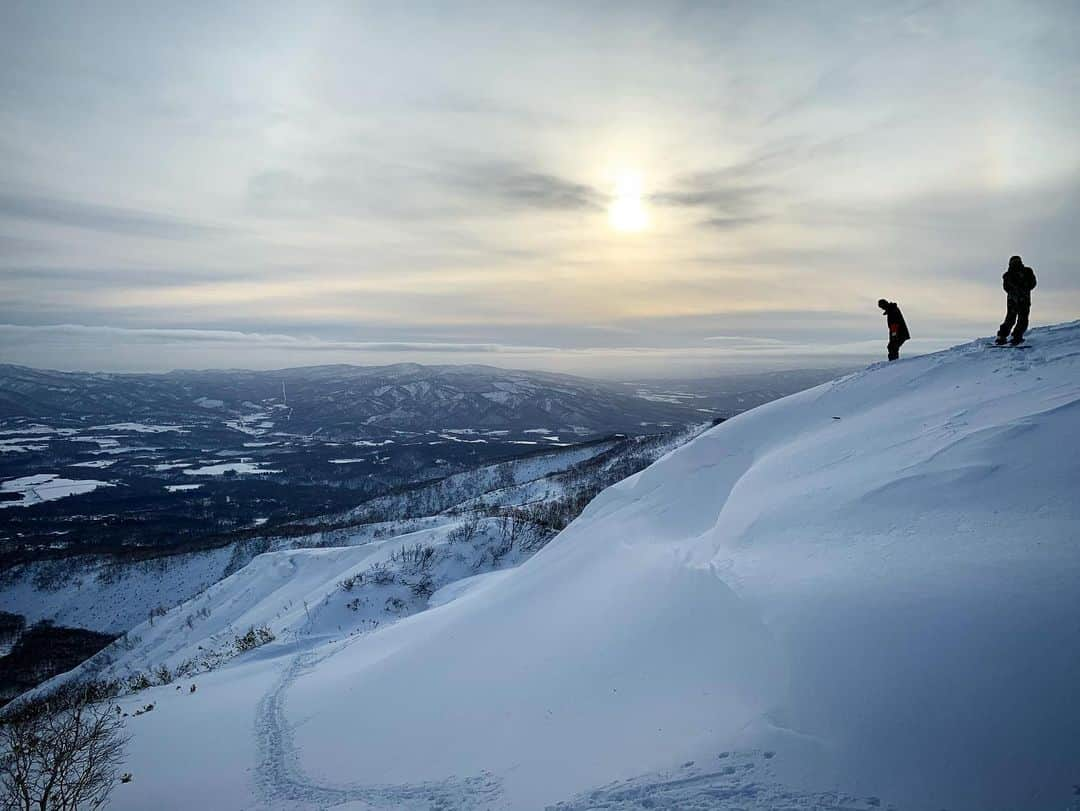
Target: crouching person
(898, 331)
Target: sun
(627, 212)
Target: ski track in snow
(283, 784)
(742, 780)
(739, 781)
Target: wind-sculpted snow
(865, 594)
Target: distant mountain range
(348, 401)
(113, 462)
(373, 401)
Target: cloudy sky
(603, 188)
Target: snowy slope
(114, 595)
(307, 596)
(866, 590)
(108, 596)
(448, 536)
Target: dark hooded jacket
(897, 326)
(1018, 280)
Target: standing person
(1018, 281)
(898, 331)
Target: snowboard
(1024, 345)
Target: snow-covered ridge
(863, 594)
(114, 595)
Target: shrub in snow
(184, 668)
(424, 587)
(349, 583)
(140, 681)
(380, 575)
(465, 532)
(254, 638)
(414, 558)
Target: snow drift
(874, 583)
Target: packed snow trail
(875, 580)
(281, 781)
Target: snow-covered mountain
(96, 463)
(344, 400)
(112, 594)
(863, 595)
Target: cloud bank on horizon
(273, 184)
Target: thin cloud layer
(516, 186)
(96, 217)
(363, 180)
(69, 346)
(76, 332)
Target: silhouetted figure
(1018, 281)
(898, 331)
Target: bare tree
(465, 531)
(62, 753)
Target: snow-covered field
(229, 467)
(98, 463)
(140, 428)
(19, 445)
(46, 487)
(864, 595)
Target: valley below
(122, 496)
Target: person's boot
(1000, 340)
(1016, 340)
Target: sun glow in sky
(627, 212)
(617, 189)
